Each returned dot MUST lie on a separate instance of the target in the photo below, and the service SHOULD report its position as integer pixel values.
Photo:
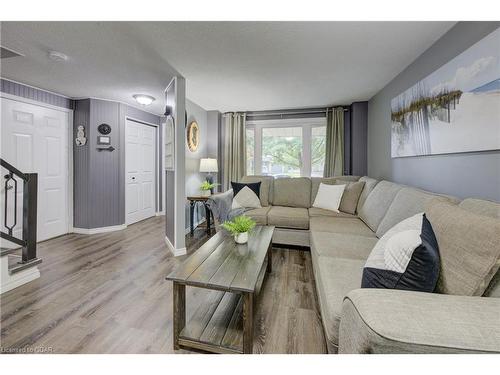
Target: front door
(140, 167)
(35, 140)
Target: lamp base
(210, 180)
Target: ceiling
(229, 66)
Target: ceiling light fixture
(144, 99)
(57, 56)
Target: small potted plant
(239, 228)
(206, 188)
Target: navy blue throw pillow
(407, 260)
(237, 186)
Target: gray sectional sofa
(374, 320)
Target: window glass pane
(282, 151)
(318, 149)
(250, 146)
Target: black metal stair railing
(30, 182)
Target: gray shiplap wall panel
(32, 93)
(104, 167)
(81, 167)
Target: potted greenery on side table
(239, 228)
(206, 188)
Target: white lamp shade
(208, 165)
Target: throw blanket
(220, 205)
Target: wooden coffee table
(224, 324)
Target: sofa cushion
(469, 247)
(407, 202)
(481, 207)
(340, 225)
(313, 211)
(265, 187)
(491, 209)
(259, 215)
(367, 189)
(351, 195)
(292, 192)
(340, 245)
(288, 217)
(414, 322)
(347, 178)
(335, 278)
(378, 201)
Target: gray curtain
(334, 156)
(234, 148)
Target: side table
(208, 214)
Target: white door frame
(20, 99)
(158, 162)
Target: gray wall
(214, 139)
(32, 93)
(359, 138)
(193, 177)
(461, 175)
(99, 176)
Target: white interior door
(35, 140)
(140, 176)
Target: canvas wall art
(454, 109)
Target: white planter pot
(241, 238)
(205, 193)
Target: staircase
(18, 258)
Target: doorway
(140, 171)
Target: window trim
(305, 123)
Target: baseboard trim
(160, 213)
(173, 250)
(99, 230)
(19, 279)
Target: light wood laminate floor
(107, 293)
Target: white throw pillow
(377, 257)
(246, 198)
(329, 197)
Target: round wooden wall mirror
(193, 136)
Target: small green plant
(207, 185)
(240, 224)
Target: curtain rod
(281, 113)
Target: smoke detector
(57, 56)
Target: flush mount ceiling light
(144, 99)
(57, 56)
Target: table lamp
(209, 166)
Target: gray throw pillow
(469, 247)
(351, 196)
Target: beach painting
(454, 109)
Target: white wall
(193, 177)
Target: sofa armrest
(396, 321)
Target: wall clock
(104, 129)
(193, 136)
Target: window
(282, 151)
(318, 149)
(250, 150)
(292, 147)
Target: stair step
(23, 266)
(6, 251)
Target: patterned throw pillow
(406, 257)
(246, 195)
